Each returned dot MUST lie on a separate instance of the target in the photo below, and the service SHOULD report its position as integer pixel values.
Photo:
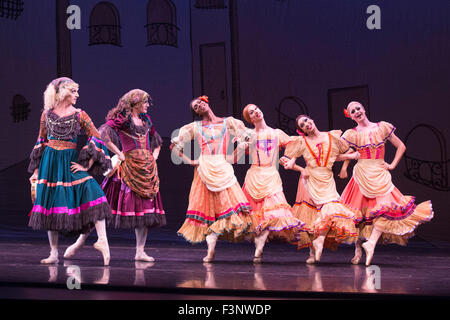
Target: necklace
(59, 128)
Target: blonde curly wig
(57, 91)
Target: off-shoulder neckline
(369, 130)
(77, 111)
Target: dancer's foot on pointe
(258, 257)
(52, 258)
(209, 257)
(311, 259)
(318, 247)
(102, 246)
(358, 252)
(142, 256)
(211, 240)
(71, 250)
(369, 248)
(357, 258)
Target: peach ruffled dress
(264, 189)
(216, 201)
(318, 203)
(371, 190)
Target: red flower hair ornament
(204, 98)
(346, 113)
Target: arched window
(11, 9)
(162, 23)
(104, 25)
(288, 110)
(20, 108)
(210, 4)
(429, 165)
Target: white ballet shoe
(258, 257)
(357, 258)
(71, 250)
(209, 257)
(103, 247)
(318, 247)
(52, 258)
(311, 260)
(142, 256)
(369, 249)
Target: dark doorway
(339, 98)
(214, 76)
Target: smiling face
(305, 124)
(356, 111)
(199, 106)
(71, 95)
(254, 113)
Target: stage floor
(419, 270)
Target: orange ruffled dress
(317, 202)
(371, 190)
(216, 201)
(263, 187)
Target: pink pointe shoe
(103, 247)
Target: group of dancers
(370, 210)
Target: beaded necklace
(54, 125)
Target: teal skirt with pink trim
(66, 201)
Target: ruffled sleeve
(95, 148)
(295, 148)
(109, 130)
(109, 134)
(283, 138)
(185, 134)
(341, 145)
(238, 129)
(386, 129)
(349, 136)
(39, 147)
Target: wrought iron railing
(20, 108)
(162, 34)
(11, 9)
(104, 34)
(438, 169)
